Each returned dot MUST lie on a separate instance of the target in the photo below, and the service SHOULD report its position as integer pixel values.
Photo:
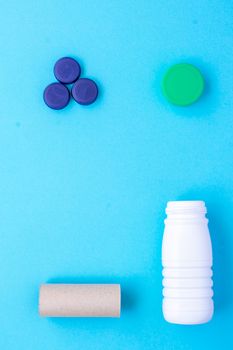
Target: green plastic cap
(183, 84)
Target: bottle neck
(186, 210)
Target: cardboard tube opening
(80, 300)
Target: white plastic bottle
(187, 261)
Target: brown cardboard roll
(80, 300)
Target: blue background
(83, 190)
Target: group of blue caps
(67, 71)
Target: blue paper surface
(83, 190)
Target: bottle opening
(186, 207)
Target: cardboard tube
(80, 300)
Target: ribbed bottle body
(187, 262)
